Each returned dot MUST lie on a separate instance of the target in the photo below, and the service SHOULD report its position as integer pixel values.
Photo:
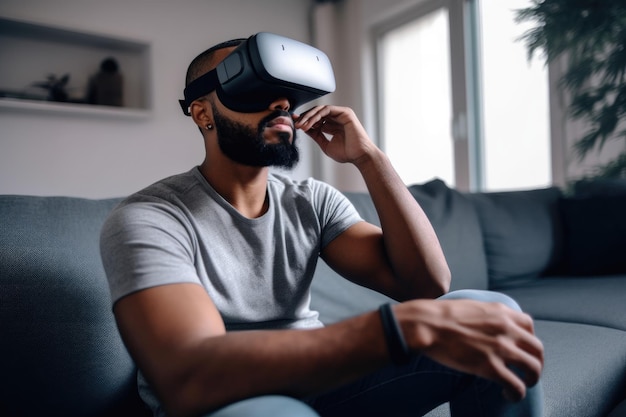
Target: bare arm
(404, 260)
(177, 338)
(410, 249)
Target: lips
(281, 121)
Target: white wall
(89, 156)
(97, 156)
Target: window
(458, 98)
(415, 70)
(516, 125)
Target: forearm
(479, 338)
(410, 242)
(299, 363)
(411, 245)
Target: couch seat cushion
(580, 390)
(585, 368)
(597, 300)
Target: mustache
(274, 115)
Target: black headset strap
(199, 87)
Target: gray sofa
(563, 259)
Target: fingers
(520, 356)
(338, 132)
(308, 119)
(485, 339)
(516, 368)
(325, 124)
(513, 382)
(530, 359)
(530, 354)
(514, 389)
(328, 117)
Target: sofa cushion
(597, 300)
(364, 205)
(584, 370)
(458, 228)
(456, 223)
(336, 298)
(594, 385)
(61, 352)
(595, 230)
(522, 234)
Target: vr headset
(260, 70)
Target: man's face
(272, 143)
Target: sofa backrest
(457, 226)
(522, 233)
(60, 353)
(595, 228)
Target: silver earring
(209, 126)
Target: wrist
(397, 347)
(415, 319)
(372, 158)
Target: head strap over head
(199, 87)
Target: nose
(280, 104)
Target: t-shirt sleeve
(335, 211)
(143, 245)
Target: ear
(201, 112)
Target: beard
(246, 146)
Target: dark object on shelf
(106, 87)
(56, 87)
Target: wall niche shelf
(31, 52)
(72, 109)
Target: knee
(482, 295)
(266, 406)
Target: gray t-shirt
(256, 271)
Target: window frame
(466, 126)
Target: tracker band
(398, 349)
(201, 86)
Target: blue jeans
(423, 384)
(266, 406)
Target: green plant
(591, 35)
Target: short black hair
(198, 66)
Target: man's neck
(244, 187)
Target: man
(210, 271)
